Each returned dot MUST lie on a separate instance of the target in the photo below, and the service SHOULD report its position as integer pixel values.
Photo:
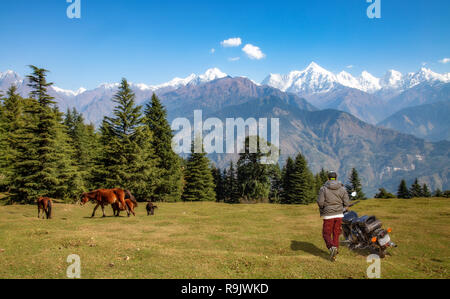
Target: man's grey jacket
(332, 199)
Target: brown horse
(151, 209)
(105, 197)
(130, 201)
(46, 205)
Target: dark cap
(332, 175)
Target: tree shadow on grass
(310, 249)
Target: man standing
(333, 198)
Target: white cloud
(350, 66)
(234, 58)
(253, 52)
(213, 51)
(232, 42)
(444, 60)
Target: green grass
(209, 240)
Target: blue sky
(153, 41)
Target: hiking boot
(333, 253)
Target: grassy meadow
(211, 240)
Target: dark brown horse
(45, 204)
(151, 209)
(105, 197)
(131, 203)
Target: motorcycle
(366, 232)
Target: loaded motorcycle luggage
(369, 223)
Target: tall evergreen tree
(170, 186)
(71, 181)
(232, 190)
(288, 196)
(416, 189)
(86, 145)
(199, 180)
(11, 122)
(38, 167)
(127, 160)
(425, 191)
(403, 191)
(355, 185)
(219, 184)
(320, 179)
(276, 183)
(301, 182)
(253, 174)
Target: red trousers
(332, 230)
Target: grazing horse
(46, 205)
(151, 209)
(104, 197)
(130, 201)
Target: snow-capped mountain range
(10, 77)
(315, 79)
(366, 97)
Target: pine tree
(170, 187)
(425, 191)
(71, 183)
(416, 189)
(219, 184)
(354, 185)
(36, 170)
(127, 159)
(86, 146)
(276, 183)
(199, 180)
(438, 193)
(11, 121)
(301, 182)
(252, 173)
(288, 196)
(403, 191)
(232, 194)
(320, 179)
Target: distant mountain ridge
(430, 122)
(336, 140)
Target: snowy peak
(311, 80)
(315, 68)
(392, 79)
(424, 75)
(69, 92)
(369, 83)
(212, 74)
(10, 77)
(348, 80)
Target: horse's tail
(49, 209)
